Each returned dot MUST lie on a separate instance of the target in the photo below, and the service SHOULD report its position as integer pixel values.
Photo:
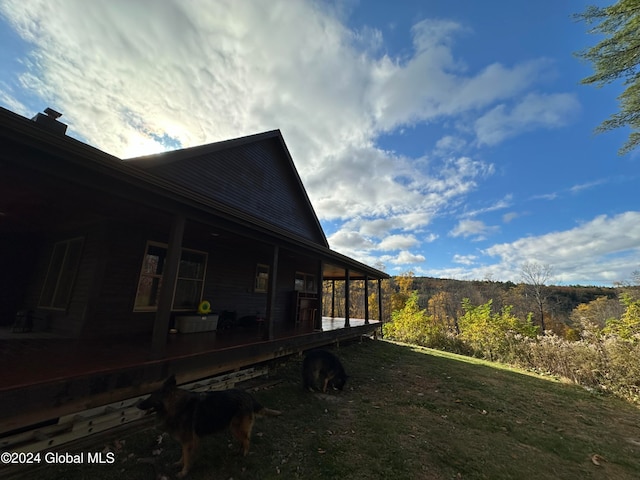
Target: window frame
(261, 282)
(66, 274)
(159, 277)
(305, 278)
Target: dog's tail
(268, 412)
(263, 411)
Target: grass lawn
(406, 413)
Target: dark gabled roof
(253, 174)
(89, 166)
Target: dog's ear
(170, 382)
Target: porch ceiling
(336, 272)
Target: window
(61, 274)
(189, 284)
(190, 280)
(262, 278)
(305, 282)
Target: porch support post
(165, 296)
(320, 288)
(333, 299)
(271, 297)
(380, 299)
(366, 299)
(347, 300)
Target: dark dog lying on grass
(188, 415)
(322, 369)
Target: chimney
(49, 121)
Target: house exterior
(103, 252)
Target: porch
(44, 377)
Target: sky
(448, 138)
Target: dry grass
(407, 413)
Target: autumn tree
(409, 324)
(404, 288)
(333, 298)
(628, 326)
(443, 311)
(535, 277)
(597, 312)
(617, 57)
(374, 303)
(356, 298)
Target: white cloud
(431, 237)
(510, 216)
(586, 186)
(397, 242)
(350, 241)
(449, 144)
(546, 196)
(11, 103)
(407, 258)
(533, 112)
(472, 228)
(465, 259)
(598, 252)
(498, 205)
(588, 251)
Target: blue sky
(448, 138)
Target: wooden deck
(44, 376)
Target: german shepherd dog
(322, 369)
(188, 416)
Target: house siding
(230, 285)
(123, 247)
(253, 178)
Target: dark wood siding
(231, 275)
(254, 178)
(112, 313)
(230, 280)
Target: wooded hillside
(443, 298)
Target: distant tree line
(443, 298)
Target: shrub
(493, 335)
(413, 325)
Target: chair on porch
(227, 320)
(307, 317)
(23, 322)
(29, 320)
